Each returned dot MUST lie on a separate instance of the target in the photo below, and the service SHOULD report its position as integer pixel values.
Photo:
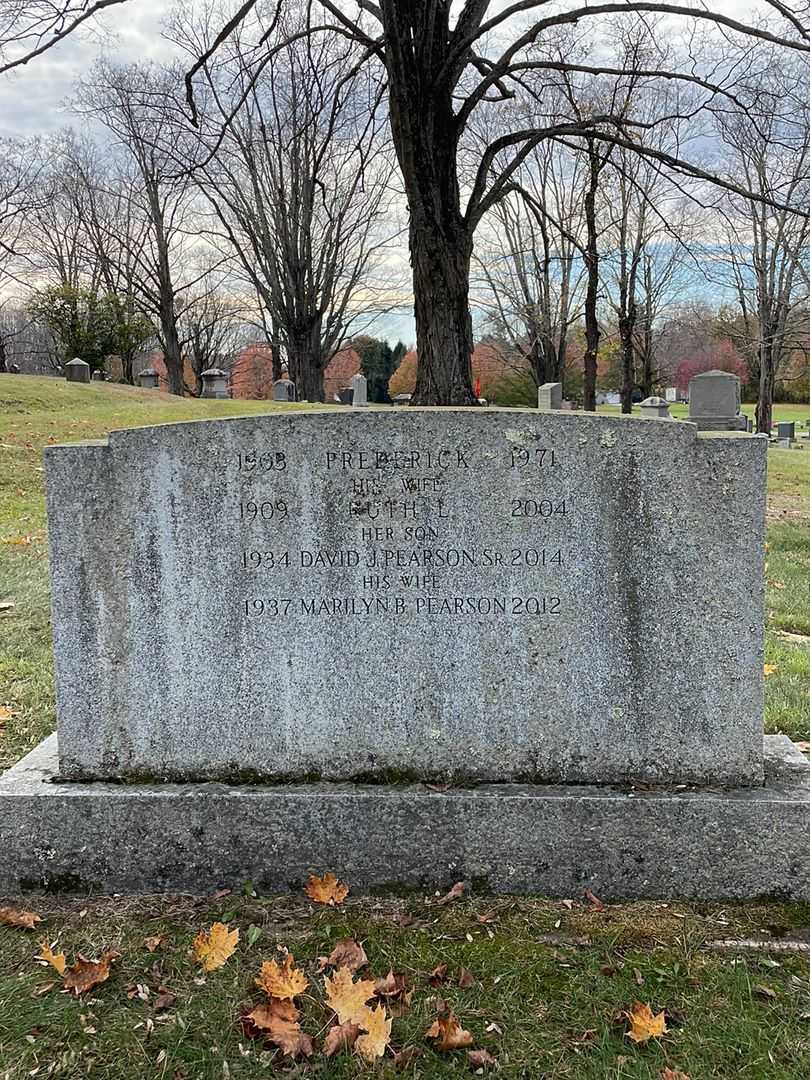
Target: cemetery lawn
(551, 980)
(550, 983)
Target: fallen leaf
(164, 1001)
(152, 943)
(348, 998)
(283, 982)
(404, 1058)
(643, 1025)
(673, 1074)
(6, 713)
(287, 1035)
(56, 960)
(455, 894)
(764, 991)
(390, 985)
(340, 1037)
(264, 1015)
(438, 976)
(465, 979)
(326, 890)
(638, 977)
(377, 1035)
(347, 953)
(85, 974)
(777, 584)
(594, 901)
(481, 1059)
(487, 917)
(448, 1033)
(20, 920)
(213, 949)
(769, 669)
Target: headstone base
(719, 423)
(657, 843)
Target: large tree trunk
(440, 257)
(591, 259)
(305, 364)
(172, 355)
(425, 135)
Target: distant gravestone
(786, 429)
(77, 370)
(359, 390)
(671, 394)
(98, 376)
(215, 383)
(549, 396)
(714, 402)
(655, 408)
(284, 388)
(148, 379)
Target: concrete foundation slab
(620, 842)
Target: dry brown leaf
(85, 974)
(20, 920)
(448, 1033)
(487, 917)
(481, 1059)
(643, 1024)
(373, 1043)
(764, 991)
(56, 960)
(438, 976)
(455, 894)
(287, 1035)
(405, 1057)
(594, 901)
(153, 943)
(348, 998)
(326, 890)
(213, 949)
(464, 979)
(340, 1037)
(164, 1001)
(347, 953)
(390, 985)
(282, 982)
(274, 1009)
(673, 1074)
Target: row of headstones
(714, 404)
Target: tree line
(568, 182)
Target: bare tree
(29, 28)
(153, 202)
(299, 185)
(768, 247)
(439, 73)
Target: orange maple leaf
(274, 1009)
(348, 998)
(20, 920)
(673, 1074)
(378, 1034)
(282, 982)
(56, 960)
(643, 1024)
(326, 890)
(214, 948)
(448, 1033)
(85, 974)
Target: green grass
(551, 986)
(555, 981)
